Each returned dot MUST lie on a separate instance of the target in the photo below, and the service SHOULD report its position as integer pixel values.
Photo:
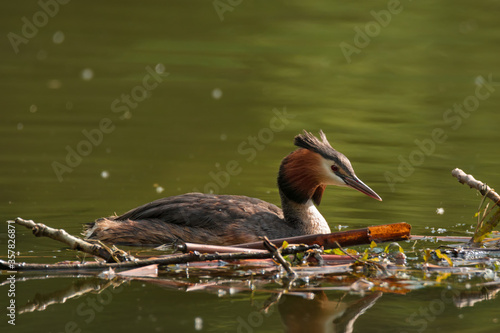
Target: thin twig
(163, 260)
(277, 255)
(366, 262)
(41, 230)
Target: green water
(171, 92)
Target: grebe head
(306, 172)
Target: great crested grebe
(234, 219)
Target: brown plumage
(232, 219)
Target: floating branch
(478, 185)
(482, 229)
(41, 230)
(163, 260)
(379, 234)
(277, 255)
(206, 248)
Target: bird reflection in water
(319, 314)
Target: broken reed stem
(484, 189)
(482, 229)
(41, 230)
(277, 255)
(207, 248)
(380, 233)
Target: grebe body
(233, 219)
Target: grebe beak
(356, 183)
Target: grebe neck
(304, 217)
(301, 187)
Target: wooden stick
(478, 185)
(205, 248)
(381, 233)
(41, 230)
(277, 255)
(163, 260)
(482, 229)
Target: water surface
(200, 84)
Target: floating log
(378, 234)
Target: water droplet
(126, 115)
(105, 174)
(479, 80)
(20, 126)
(216, 93)
(33, 108)
(87, 74)
(198, 323)
(440, 211)
(159, 189)
(160, 68)
(58, 37)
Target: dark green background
(263, 56)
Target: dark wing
(195, 218)
(203, 210)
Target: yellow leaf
(365, 255)
(284, 245)
(373, 244)
(444, 256)
(352, 252)
(427, 255)
(442, 276)
(339, 252)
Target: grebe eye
(334, 168)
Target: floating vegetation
(367, 262)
